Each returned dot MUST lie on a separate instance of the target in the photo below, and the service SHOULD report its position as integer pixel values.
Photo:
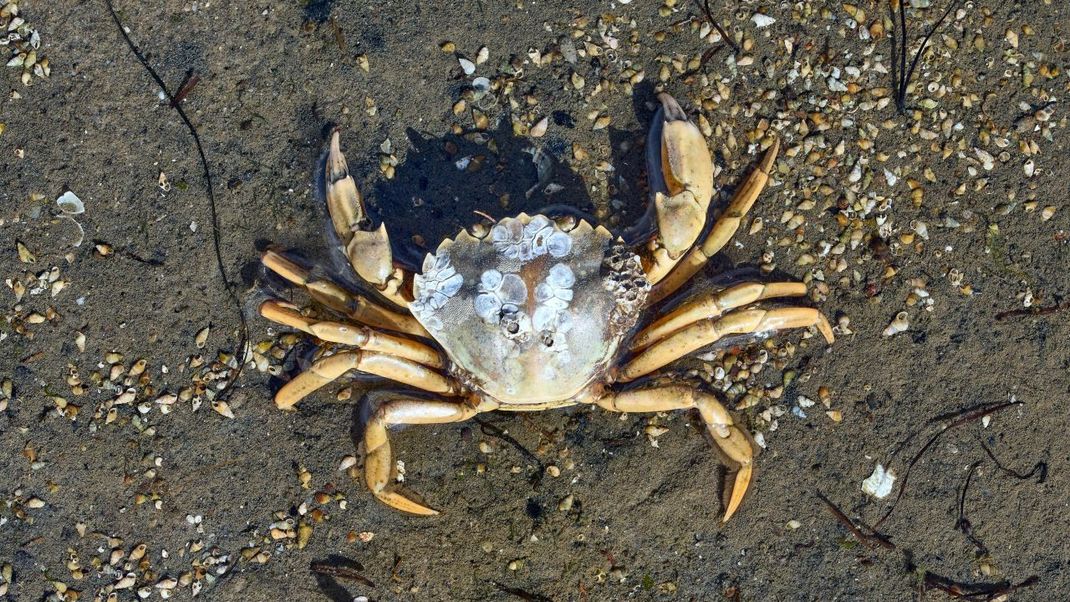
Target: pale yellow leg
(687, 174)
(355, 335)
(355, 307)
(331, 368)
(728, 437)
(378, 461)
(723, 229)
(712, 306)
(368, 250)
(705, 332)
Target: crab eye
(547, 338)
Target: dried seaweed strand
(491, 430)
(1033, 311)
(1040, 468)
(870, 540)
(962, 523)
(340, 572)
(900, 73)
(975, 592)
(175, 102)
(519, 593)
(705, 6)
(961, 418)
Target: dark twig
(187, 85)
(1033, 311)
(870, 539)
(955, 420)
(175, 101)
(519, 593)
(705, 6)
(975, 592)
(962, 523)
(340, 572)
(1040, 468)
(491, 430)
(901, 74)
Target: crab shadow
(448, 183)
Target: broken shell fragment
(539, 129)
(879, 484)
(69, 203)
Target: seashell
(900, 323)
(70, 204)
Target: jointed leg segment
(378, 461)
(704, 332)
(713, 306)
(330, 368)
(355, 307)
(728, 437)
(354, 335)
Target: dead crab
(533, 313)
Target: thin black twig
(489, 429)
(175, 101)
(974, 592)
(863, 533)
(705, 6)
(1040, 468)
(962, 523)
(340, 572)
(954, 420)
(901, 74)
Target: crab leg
(681, 179)
(713, 306)
(331, 368)
(368, 250)
(355, 307)
(355, 335)
(704, 332)
(728, 437)
(723, 229)
(378, 461)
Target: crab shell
(533, 313)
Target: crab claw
(368, 250)
(681, 179)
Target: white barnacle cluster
(438, 283)
(553, 296)
(540, 236)
(499, 300)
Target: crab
(536, 313)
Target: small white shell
(70, 204)
(900, 323)
(761, 20)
